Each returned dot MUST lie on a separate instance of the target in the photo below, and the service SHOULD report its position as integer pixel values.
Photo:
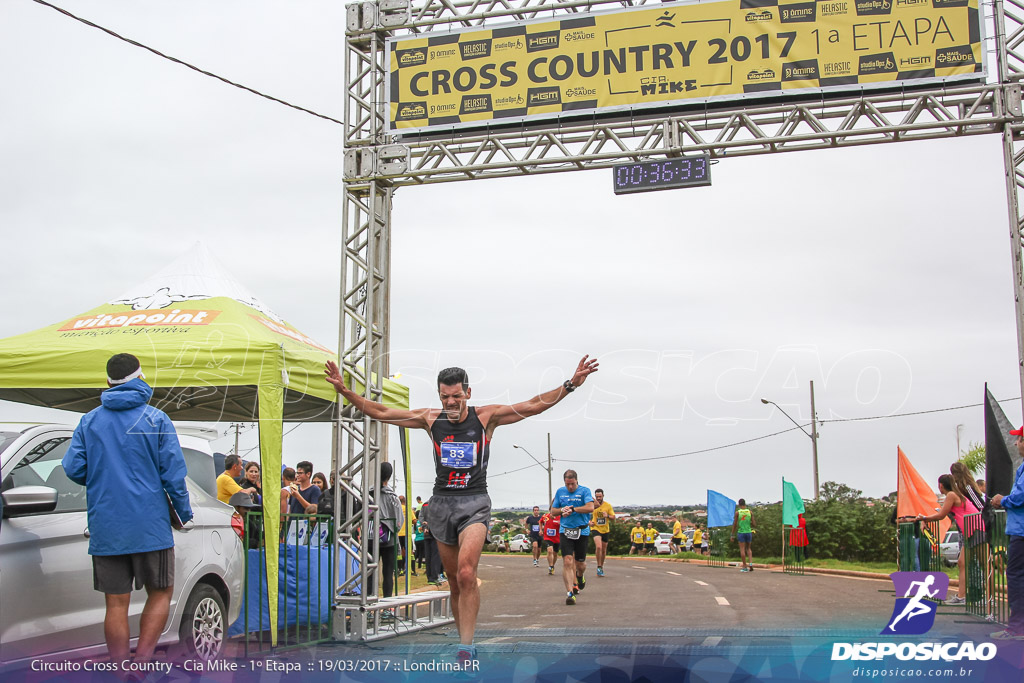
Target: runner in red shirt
(549, 523)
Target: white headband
(137, 373)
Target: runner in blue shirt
(574, 503)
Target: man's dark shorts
(448, 516)
(648, 546)
(535, 538)
(114, 574)
(598, 534)
(551, 544)
(575, 547)
(637, 546)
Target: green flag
(792, 504)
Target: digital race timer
(692, 171)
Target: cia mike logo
(914, 612)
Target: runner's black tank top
(461, 452)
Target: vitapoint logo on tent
(917, 594)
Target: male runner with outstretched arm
(459, 511)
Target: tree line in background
(841, 525)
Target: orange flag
(914, 496)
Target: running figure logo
(914, 613)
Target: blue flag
(721, 509)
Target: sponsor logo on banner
(917, 596)
(472, 104)
(511, 101)
(830, 69)
(408, 111)
(414, 57)
(500, 45)
(535, 42)
(476, 49)
(832, 9)
(764, 15)
(764, 75)
(805, 70)
(540, 97)
(943, 4)
(876, 64)
(954, 56)
(915, 62)
(147, 318)
(910, 3)
(802, 12)
(870, 7)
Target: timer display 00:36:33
(660, 175)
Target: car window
(201, 470)
(6, 439)
(41, 467)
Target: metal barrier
(304, 582)
(795, 549)
(718, 543)
(918, 547)
(984, 552)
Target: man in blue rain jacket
(127, 456)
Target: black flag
(1001, 457)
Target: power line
(791, 429)
(190, 66)
(679, 455)
(919, 412)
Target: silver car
(47, 602)
(950, 548)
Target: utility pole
(814, 441)
(237, 426)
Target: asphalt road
(649, 600)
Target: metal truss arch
(378, 162)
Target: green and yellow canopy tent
(210, 350)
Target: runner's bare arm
(497, 415)
(412, 419)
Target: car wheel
(203, 630)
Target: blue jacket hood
(131, 394)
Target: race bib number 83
(458, 455)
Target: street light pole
(813, 436)
(550, 495)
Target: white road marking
(712, 641)
(508, 616)
(673, 573)
(721, 600)
(638, 567)
(700, 583)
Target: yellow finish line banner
(677, 54)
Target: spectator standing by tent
(126, 454)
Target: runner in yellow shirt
(677, 537)
(600, 528)
(650, 535)
(636, 537)
(696, 540)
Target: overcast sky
(882, 273)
